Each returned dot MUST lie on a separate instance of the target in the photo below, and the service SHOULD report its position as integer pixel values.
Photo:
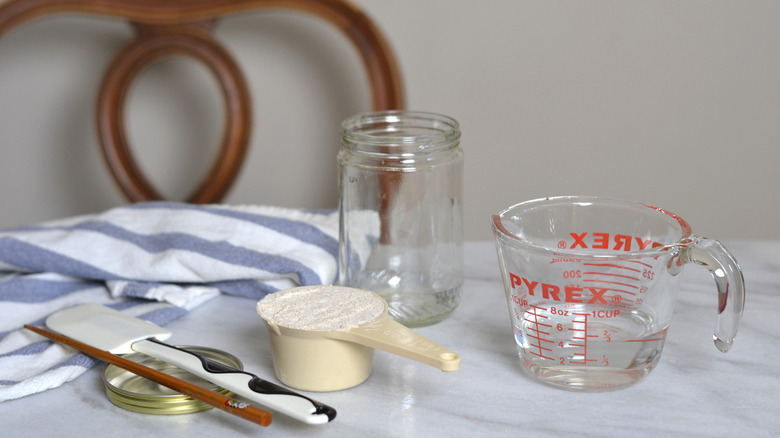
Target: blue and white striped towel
(152, 260)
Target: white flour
(321, 308)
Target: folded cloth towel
(153, 260)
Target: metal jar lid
(138, 394)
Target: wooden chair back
(166, 28)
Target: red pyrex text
(571, 293)
(603, 240)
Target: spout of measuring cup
(730, 284)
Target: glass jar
(400, 186)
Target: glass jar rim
(422, 129)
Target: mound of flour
(321, 308)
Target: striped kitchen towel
(153, 260)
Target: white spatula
(113, 331)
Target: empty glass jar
(401, 212)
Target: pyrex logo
(570, 294)
(605, 240)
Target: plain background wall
(673, 103)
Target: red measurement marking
(613, 282)
(621, 291)
(535, 311)
(539, 332)
(581, 337)
(641, 263)
(535, 322)
(627, 277)
(538, 338)
(541, 355)
(610, 265)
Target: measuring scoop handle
(242, 383)
(388, 335)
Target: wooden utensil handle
(219, 401)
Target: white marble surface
(694, 391)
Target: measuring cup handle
(388, 335)
(728, 279)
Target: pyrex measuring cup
(591, 283)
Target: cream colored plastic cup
(336, 359)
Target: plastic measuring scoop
(107, 329)
(313, 359)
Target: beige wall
(673, 103)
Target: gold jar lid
(138, 394)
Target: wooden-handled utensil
(219, 401)
(118, 333)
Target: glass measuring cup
(591, 282)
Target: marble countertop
(694, 391)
